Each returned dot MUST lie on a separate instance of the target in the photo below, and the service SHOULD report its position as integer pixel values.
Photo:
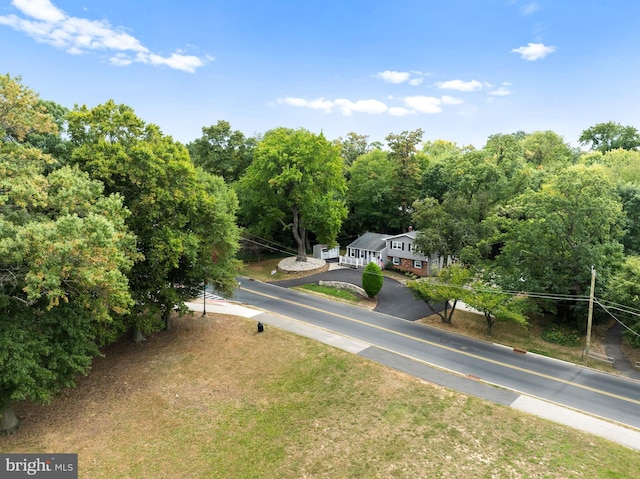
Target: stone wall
(343, 285)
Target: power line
(530, 294)
(284, 248)
(614, 317)
(268, 246)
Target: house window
(352, 253)
(363, 254)
(417, 264)
(412, 248)
(398, 245)
(396, 261)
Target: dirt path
(612, 343)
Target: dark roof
(370, 242)
(410, 234)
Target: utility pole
(590, 316)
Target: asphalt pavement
(394, 298)
(629, 437)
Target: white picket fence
(351, 262)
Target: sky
(461, 70)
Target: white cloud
(187, 63)
(373, 107)
(120, 59)
(39, 9)
(393, 76)
(347, 107)
(412, 105)
(500, 91)
(48, 24)
(529, 8)
(399, 111)
(317, 104)
(460, 85)
(424, 104)
(534, 51)
(451, 100)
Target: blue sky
(460, 70)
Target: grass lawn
(213, 399)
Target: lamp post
(204, 298)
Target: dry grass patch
(213, 399)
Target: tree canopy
(222, 151)
(65, 252)
(295, 182)
(183, 219)
(610, 136)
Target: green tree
(182, 217)
(546, 149)
(295, 181)
(478, 182)
(447, 289)
(353, 147)
(435, 182)
(222, 151)
(549, 239)
(372, 279)
(370, 195)
(630, 196)
(624, 290)
(610, 136)
(53, 143)
(21, 111)
(64, 254)
(407, 174)
(496, 305)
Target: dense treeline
(107, 225)
(527, 217)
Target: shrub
(372, 279)
(562, 335)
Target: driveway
(394, 298)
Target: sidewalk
(622, 435)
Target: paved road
(393, 299)
(583, 389)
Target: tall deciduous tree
(610, 136)
(183, 219)
(407, 172)
(370, 194)
(549, 239)
(547, 149)
(352, 147)
(295, 181)
(64, 254)
(478, 181)
(222, 151)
